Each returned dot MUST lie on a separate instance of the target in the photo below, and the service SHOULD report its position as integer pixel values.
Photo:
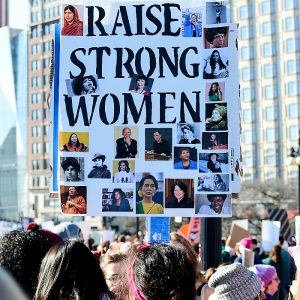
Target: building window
(247, 73)
(290, 4)
(35, 115)
(267, 7)
(35, 181)
(35, 32)
(45, 164)
(35, 81)
(35, 98)
(35, 131)
(269, 70)
(293, 132)
(46, 79)
(46, 29)
(248, 159)
(246, 32)
(46, 129)
(47, 62)
(35, 49)
(249, 137)
(270, 157)
(270, 91)
(271, 113)
(247, 53)
(247, 115)
(35, 165)
(268, 27)
(293, 88)
(36, 148)
(247, 94)
(269, 49)
(47, 46)
(292, 66)
(292, 45)
(293, 110)
(270, 135)
(45, 113)
(245, 12)
(291, 23)
(46, 147)
(35, 65)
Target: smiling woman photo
(72, 24)
(216, 206)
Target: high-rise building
(3, 13)
(13, 118)
(269, 64)
(44, 13)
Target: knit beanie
(246, 242)
(234, 282)
(264, 272)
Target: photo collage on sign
(153, 169)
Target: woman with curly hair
(74, 144)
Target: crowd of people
(39, 264)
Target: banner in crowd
(147, 113)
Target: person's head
(73, 139)
(89, 84)
(215, 36)
(217, 178)
(118, 194)
(126, 132)
(69, 14)
(193, 19)
(70, 271)
(214, 88)
(215, 115)
(215, 56)
(141, 81)
(113, 266)
(72, 191)
(71, 168)
(234, 282)
(68, 231)
(216, 201)
(268, 277)
(164, 267)
(184, 153)
(21, 254)
(213, 157)
(98, 159)
(276, 254)
(123, 166)
(187, 130)
(148, 186)
(213, 137)
(157, 136)
(179, 190)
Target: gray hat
(99, 155)
(234, 282)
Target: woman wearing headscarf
(72, 24)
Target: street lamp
(294, 160)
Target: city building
(43, 14)
(13, 135)
(269, 48)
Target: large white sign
(148, 109)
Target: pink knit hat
(246, 242)
(264, 272)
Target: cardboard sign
(142, 88)
(270, 231)
(236, 234)
(297, 229)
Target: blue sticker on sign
(159, 230)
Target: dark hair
(148, 177)
(71, 8)
(276, 254)
(118, 191)
(213, 63)
(211, 93)
(21, 254)
(211, 32)
(77, 143)
(70, 271)
(71, 161)
(182, 149)
(144, 78)
(187, 126)
(219, 178)
(181, 185)
(159, 132)
(211, 196)
(126, 164)
(77, 84)
(166, 268)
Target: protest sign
(158, 230)
(269, 234)
(147, 94)
(236, 234)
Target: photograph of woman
(214, 67)
(74, 145)
(140, 84)
(84, 85)
(192, 24)
(147, 188)
(188, 135)
(180, 197)
(215, 93)
(213, 183)
(75, 204)
(216, 117)
(213, 165)
(72, 23)
(71, 168)
(216, 205)
(185, 163)
(119, 201)
(123, 175)
(217, 141)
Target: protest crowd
(40, 264)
